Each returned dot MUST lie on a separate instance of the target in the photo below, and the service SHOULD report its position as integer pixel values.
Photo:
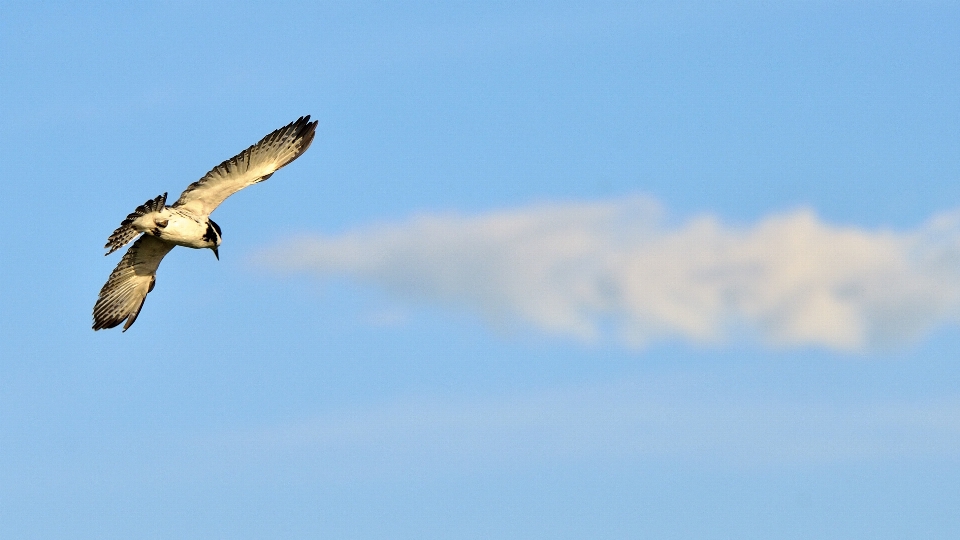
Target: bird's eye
(210, 235)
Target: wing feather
(122, 296)
(255, 164)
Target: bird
(187, 222)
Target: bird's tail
(125, 232)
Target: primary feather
(123, 294)
(255, 164)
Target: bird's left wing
(125, 291)
(255, 164)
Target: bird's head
(212, 237)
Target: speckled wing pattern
(125, 291)
(255, 164)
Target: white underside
(182, 229)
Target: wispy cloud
(645, 423)
(586, 269)
(605, 425)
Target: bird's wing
(255, 164)
(123, 294)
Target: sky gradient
(549, 270)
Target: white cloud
(583, 269)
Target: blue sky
(549, 270)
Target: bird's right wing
(255, 164)
(125, 291)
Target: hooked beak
(215, 253)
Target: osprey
(187, 222)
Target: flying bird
(187, 222)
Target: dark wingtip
(305, 124)
(306, 131)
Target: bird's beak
(217, 255)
